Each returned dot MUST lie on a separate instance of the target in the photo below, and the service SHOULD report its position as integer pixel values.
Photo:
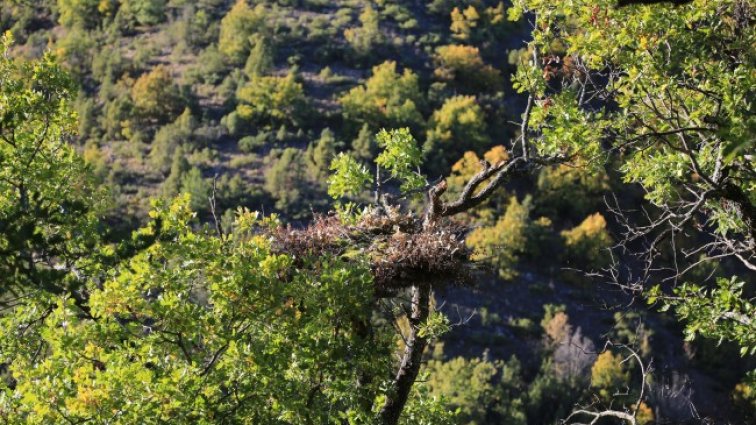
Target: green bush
(482, 391)
(504, 242)
(237, 26)
(254, 143)
(169, 137)
(365, 39)
(387, 99)
(261, 57)
(459, 125)
(272, 99)
(285, 179)
(210, 67)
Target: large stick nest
(401, 251)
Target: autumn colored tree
(478, 27)
(239, 24)
(459, 125)
(463, 21)
(272, 99)
(156, 96)
(386, 99)
(588, 243)
(464, 69)
(607, 374)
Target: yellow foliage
(468, 166)
(558, 328)
(502, 243)
(607, 374)
(587, 241)
(464, 66)
(496, 154)
(463, 22)
(387, 99)
(236, 28)
(459, 122)
(744, 398)
(644, 415)
(279, 98)
(155, 95)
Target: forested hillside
(417, 212)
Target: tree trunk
(413, 353)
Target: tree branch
(413, 354)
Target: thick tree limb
(411, 359)
(494, 175)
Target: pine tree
(261, 57)
(320, 154)
(179, 167)
(365, 38)
(364, 146)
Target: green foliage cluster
(286, 178)
(183, 323)
(169, 137)
(682, 120)
(504, 242)
(721, 313)
(481, 391)
(167, 341)
(237, 27)
(387, 99)
(570, 191)
(367, 37)
(400, 157)
(48, 201)
(459, 125)
(279, 99)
